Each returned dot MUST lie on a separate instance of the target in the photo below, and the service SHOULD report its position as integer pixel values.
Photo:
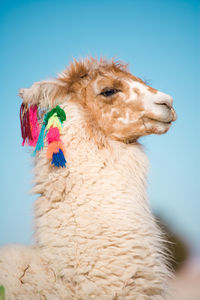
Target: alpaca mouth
(165, 120)
(161, 121)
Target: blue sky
(159, 39)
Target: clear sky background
(158, 38)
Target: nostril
(167, 104)
(164, 99)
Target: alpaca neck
(101, 190)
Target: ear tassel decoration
(40, 141)
(29, 124)
(58, 159)
(51, 129)
(35, 127)
(55, 150)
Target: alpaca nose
(165, 100)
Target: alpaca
(95, 235)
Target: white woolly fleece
(95, 235)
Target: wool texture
(95, 234)
(93, 226)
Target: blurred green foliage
(2, 293)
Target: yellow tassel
(54, 122)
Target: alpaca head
(117, 103)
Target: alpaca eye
(83, 76)
(109, 92)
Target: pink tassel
(35, 127)
(53, 135)
(25, 123)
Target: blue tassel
(40, 141)
(58, 159)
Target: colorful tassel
(53, 135)
(51, 129)
(29, 124)
(40, 141)
(55, 151)
(53, 121)
(25, 123)
(60, 113)
(54, 148)
(58, 159)
(35, 128)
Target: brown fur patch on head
(137, 91)
(86, 80)
(79, 73)
(108, 112)
(119, 116)
(152, 90)
(136, 79)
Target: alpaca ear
(43, 93)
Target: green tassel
(60, 113)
